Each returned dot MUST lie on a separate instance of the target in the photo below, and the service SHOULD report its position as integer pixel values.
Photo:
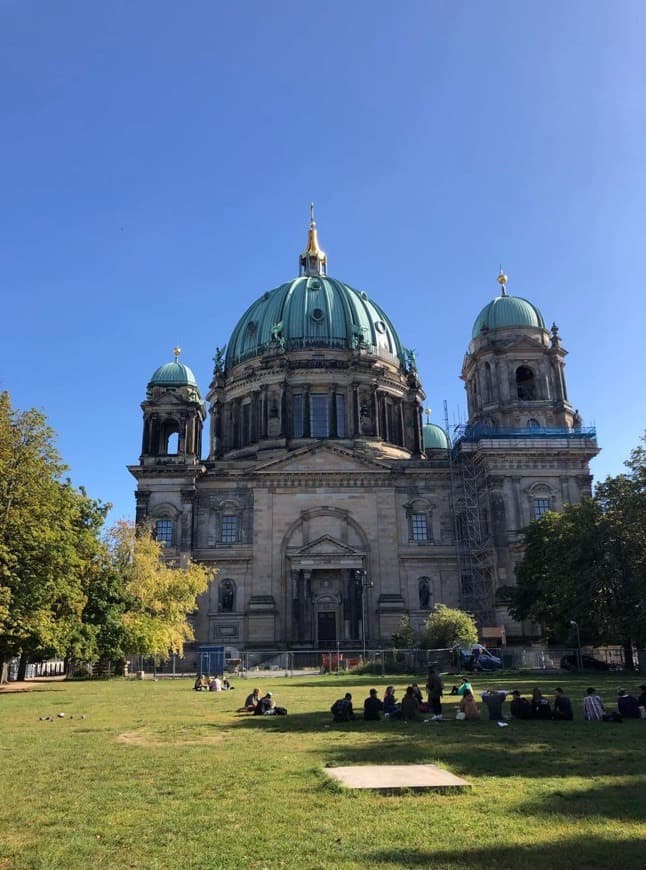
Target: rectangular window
(340, 415)
(229, 530)
(164, 532)
(297, 416)
(319, 416)
(419, 527)
(541, 506)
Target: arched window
(525, 384)
(533, 423)
(170, 438)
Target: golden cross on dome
(177, 351)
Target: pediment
(326, 545)
(323, 458)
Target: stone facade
(325, 506)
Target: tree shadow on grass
(531, 750)
(588, 852)
(625, 801)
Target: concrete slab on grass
(393, 777)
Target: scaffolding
(469, 488)
(472, 533)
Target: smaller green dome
(435, 437)
(508, 311)
(173, 374)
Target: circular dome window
(251, 327)
(318, 314)
(315, 284)
(380, 326)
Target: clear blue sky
(158, 158)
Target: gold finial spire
(502, 280)
(428, 412)
(313, 261)
(176, 352)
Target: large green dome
(508, 311)
(314, 311)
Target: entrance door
(327, 629)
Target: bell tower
(170, 461)
(514, 368)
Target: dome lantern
(313, 261)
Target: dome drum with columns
(323, 498)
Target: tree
(49, 536)
(446, 628)
(404, 637)
(157, 594)
(588, 564)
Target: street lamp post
(362, 577)
(578, 644)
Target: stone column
(306, 412)
(142, 499)
(332, 428)
(186, 538)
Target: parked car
(570, 663)
(486, 662)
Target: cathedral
(329, 507)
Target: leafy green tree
(158, 594)
(588, 564)
(404, 637)
(49, 535)
(446, 628)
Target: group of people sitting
(411, 705)
(536, 707)
(628, 706)
(262, 705)
(218, 683)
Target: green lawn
(159, 776)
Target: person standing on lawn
(435, 688)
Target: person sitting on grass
(342, 709)
(265, 706)
(251, 702)
(462, 688)
(627, 705)
(540, 706)
(422, 704)
(391, 707)
(201, 683)
(493, 700)
(562, 706)
(593, 708)
(520, 707)
(468, 705)
(372, 707)
(409, 705)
